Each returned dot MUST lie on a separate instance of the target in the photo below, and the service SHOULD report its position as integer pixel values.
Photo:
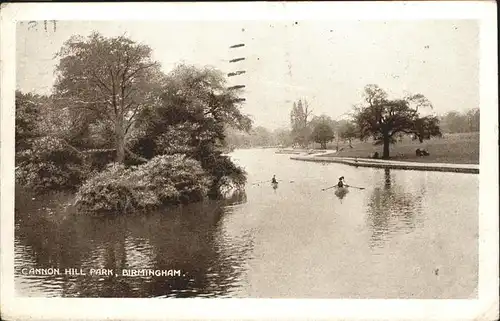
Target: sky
(326, 62)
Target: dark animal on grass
(421, 152)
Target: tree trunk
(386, 147)
(120, 144)
(323, 145)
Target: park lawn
(461, 148)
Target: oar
(324, 189)
(354, 186)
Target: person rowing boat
(341, 188)
(274, 182)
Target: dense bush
(185, 175)
(167, 179)
(49, 164)
(110, 190)
(226, 175)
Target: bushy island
(124, 136)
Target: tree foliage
(348, 131)
(283, 137)
(193, 112)
(258, 137)
(166, 179)
(382, 118)
(299, 120)
(27, 119)
(323, 131)
(112, 79)
(465, 122)
(110, 95)
(44, 159)
(48, 164)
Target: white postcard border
(482, 308)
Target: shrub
(108, 191)
(188, 179)
(50, 165)
(166, 179)
(225, 175)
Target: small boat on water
(275, 185)
(340, 192)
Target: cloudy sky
(326, 62)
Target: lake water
(408, 234)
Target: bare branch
(139, 69)
(131, 120)
(100, 81)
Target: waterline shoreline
(378, 163)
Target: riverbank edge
(364, 162)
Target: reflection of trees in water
(186, 238)
(239, 196)
(391, 209)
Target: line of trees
(307, 128)
(456, 122)
(378, 118)
(257, 137)
(112, 96)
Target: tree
(44, 158)
(382, 118)
(454, 122)
(323, 132)
(473, 120)
(193, 113)
(112, 78)
(348, 131)
(237, 138)
(323, 119)
(283, 137)
(261, 136)
(465, 122)
(27, 118)
(299, 122)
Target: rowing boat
(340, 192)
(275, 185)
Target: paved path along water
(380, 163)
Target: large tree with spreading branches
(114, 78)
(384, 119)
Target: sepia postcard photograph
(249, 161)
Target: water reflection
(391, 209)
(384, 241)
(189, 238)
(341, 192)
(236, 197)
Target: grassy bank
(452, 148)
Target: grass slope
(460, 148)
